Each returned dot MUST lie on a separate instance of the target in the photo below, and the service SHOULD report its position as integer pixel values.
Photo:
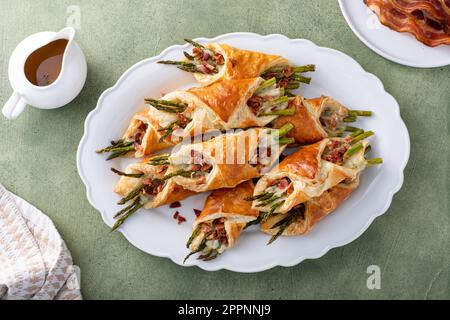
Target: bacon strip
(427, 20)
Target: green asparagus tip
(374, 161)
(357, 133)
(195, 44)
(119, 152)
(307, 68)
(266, 84)
(188, 256)
(352, 129)
(131, 175)
(350, 119)
(362, 136)
(131, 210)
(297, 77)
(360, 113)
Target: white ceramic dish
(157, 233)
(399, 47)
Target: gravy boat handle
(14, 106)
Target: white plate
(396, 46)
(157, 233)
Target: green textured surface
(37, 154)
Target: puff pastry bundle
(217, 61)
(146, 186)
(230, 104)
(319, 118)
(225, 161)
(222, 162)
(308, 174)
(224, 217)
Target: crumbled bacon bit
(255, 103)
(197, 52)
(184, 121)
(197, 212)
(179, 217)
(174, 205)
(219, 59)
(205, 56)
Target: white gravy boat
(63, 90)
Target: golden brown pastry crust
(224, 97)
(310, 174)
(308, 128)
(231, 205)
(150, 141)
(171, 192)
(239, 148)
(315, 210)
(240, 64)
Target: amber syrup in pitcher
(43, 66)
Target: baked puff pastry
(140, 139)
(303, 217)
(215, 62)
(224, 217)
(319, 118)
(231, 104)
(146, 186)
(225, 161)
(309, 172)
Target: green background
(37, 155)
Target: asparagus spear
(360, 113)
(299, 78)
(260, 197)
(168, 106)
(137, 204)
(357, 133)
(293, 86)
(188, 56)
(130, 175)
(350, 119)
(284, 130)
(353, 150)
(307, 68)
(212, 256)
(121, 152)
(200, 248)
(266, 84)
(194, 235)
(195, 44)
(285, 112)
(284, 141)
(159, 160)
(115, 145)
(374, 161)
(286, 222)
(132, 195)
(265, 195)
(272, 211)
(362, 136)
(352, 129)
(268, 201)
